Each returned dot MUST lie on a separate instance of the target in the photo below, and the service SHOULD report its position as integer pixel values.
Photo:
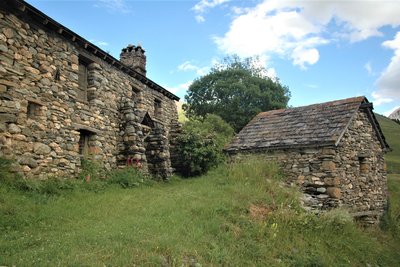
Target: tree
(200, 145)
(236, 90)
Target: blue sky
(322, 50)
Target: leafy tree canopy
(236, 90)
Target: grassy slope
(391, 130)
(234, 217)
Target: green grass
(237, 215)
(391, 130)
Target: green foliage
(128, 178)
(200, 144)
(391, 220)
(6, 176)
(391, 130)
(236, 90)
(91, 169)
(239, 214)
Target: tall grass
(240, 214)
(391, 131)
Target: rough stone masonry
(334, 151)
(63, 98)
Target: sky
(322, 50)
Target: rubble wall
(42, 118)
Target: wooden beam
(60, 31)
(45, 21)
(85, 45)
(73, 38)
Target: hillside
(238, 215)
(391, 130)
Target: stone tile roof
(309, 126)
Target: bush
(128, 178)
(91, 170)
(200, 145)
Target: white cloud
(368, 68)
(187, 66)
(180, 87)
(380, 99)
(98, 43)
(295, 29)
(312, 86)
(199, 18)
(203, 6)
(114, 5)
(389, 81)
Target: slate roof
(309, 126)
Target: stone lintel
(78, 126)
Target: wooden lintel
(45, 21)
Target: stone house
(63, 98)
(334, 151)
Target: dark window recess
(364, 166)
(33, 110)
(157, 108)
(57, 74)
(83, 80)
(84, 138)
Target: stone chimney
(134, 57)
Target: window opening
(364, 166)
(157, 107)
(83, 79)
(33, 110)
(84, 137)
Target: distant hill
(395, 115)
(391, 130)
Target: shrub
(200, 145)
(91, 169)
(128, 178)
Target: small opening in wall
(364, 166)
(84, 139)
(157, 107)
(33, 110)
(57, 74)
(83, 79)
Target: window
(84, 137)
(33, 110)
(364, 166)
(83, 80)
(157, 107)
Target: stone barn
(62, 98)
(334, 151)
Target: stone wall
(351, 175)
(42, 118)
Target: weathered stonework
(48, 119)
(350, 173)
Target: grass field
(391, 130)
(237, 215)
